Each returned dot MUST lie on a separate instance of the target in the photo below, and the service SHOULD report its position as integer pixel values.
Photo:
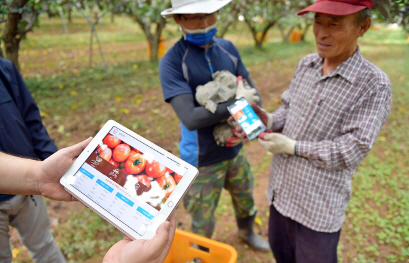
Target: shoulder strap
(184, 66)
(233, 58)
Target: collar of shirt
(191, 45)
(347, 69)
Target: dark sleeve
(193, 117)
(171, 77)
(41, 141)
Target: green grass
(379, 206)
(76, 100)
(87, 236)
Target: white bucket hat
(194, 7)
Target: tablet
(128, 180)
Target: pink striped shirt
(335, 120)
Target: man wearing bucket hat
(188, 64)
(332, 112)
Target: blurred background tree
(146, 13)
(20, 17)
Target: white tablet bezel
(171, 161)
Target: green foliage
(378, 213)
(84, 236)
(399, 13)
(261, 15)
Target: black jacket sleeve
(41, 141)
(199, 117)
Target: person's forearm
(18, 175)
(197, 117)
(345, 152)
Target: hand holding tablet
(128, 180)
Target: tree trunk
(69, 15)
(153, 39)
(266, 29)
(1, 50)
(112, 17)
(287, 36)
(307, 26)
(258, 42)
(281, 32)
(224, 30)
(227, 26)
(253, 32)
(154, 45)
(11, 35)
(91, 43)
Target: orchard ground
(75, 100)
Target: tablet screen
(128, 179)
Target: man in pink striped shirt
(332, 112)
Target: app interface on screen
(246, 116)
(127, 178)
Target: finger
(261, 135)
(231, 144)
(127, 238)
(73, 199)
(76, 149)
(238, 134)
(261, 141)
(238, 128)
(172, 229)
(159, 241)
(234, 139)
(172, 221)
(256, 108)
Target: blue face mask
(201, 37)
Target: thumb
(262, 134)
(256, 108)
(267, 136)
(263, 143)
(159, 241)
(75, 150)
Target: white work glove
(277, 143)
(242, 92)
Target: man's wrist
(34, 176)
(291, 146)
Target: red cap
(337, 7)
